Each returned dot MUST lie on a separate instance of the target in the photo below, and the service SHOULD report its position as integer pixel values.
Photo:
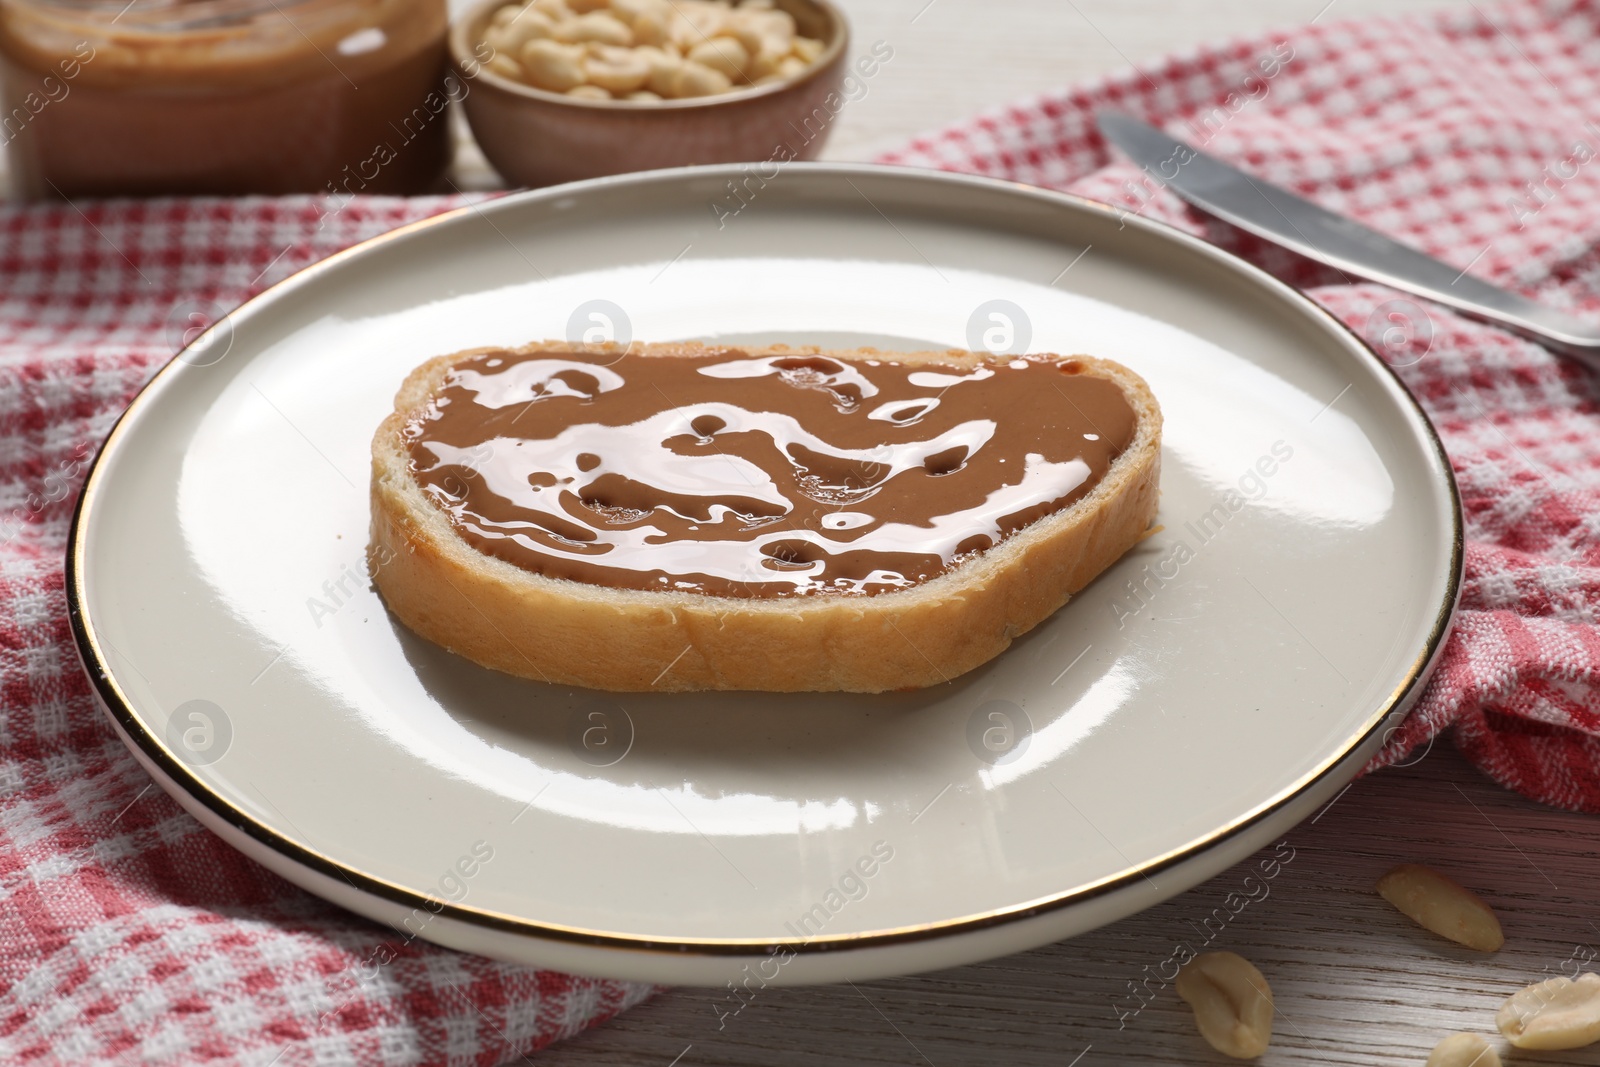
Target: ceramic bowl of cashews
(559, 90)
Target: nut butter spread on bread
(681, 516)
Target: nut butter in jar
(154, 97)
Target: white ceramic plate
(1215, 687)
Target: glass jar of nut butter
(152, 97)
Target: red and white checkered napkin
(1471, 134)
(129, 933)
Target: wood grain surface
(1356, 983)
(955, 57)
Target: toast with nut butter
(692, 517)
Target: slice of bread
(574, 633)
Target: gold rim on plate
(153, 748)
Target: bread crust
(575, 633)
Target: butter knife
(1274, 213)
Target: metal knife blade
(1294, 222)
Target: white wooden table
(1355, 982)
(954, 57)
